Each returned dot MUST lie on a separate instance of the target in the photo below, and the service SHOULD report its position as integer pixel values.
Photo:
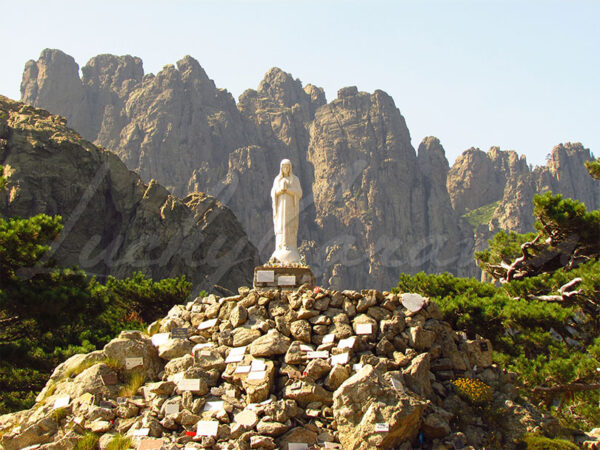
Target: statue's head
(285, 167)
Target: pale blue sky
(524, 75)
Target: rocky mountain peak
(282, 88)
(432, 159)
(116, 73)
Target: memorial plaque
(341, 358)
(189, 384)
(141, 432)
(382, 428)
(109, 379)
(364, 328)
(207, 324)
(297, 446)
(238, 350)
(202, 345)
(306, 348)
(265, 276)
(132, 363)
(483, 346)
(160, 338)
(286, 280)
(178, 377)
(257, 375)
(214, 406)
(246, 418)
(413, 302)
(328, 338)
(257, 365)
(316, 355)
(234, 358)
(347, 343)
(179, 333)
(172, 408)
(242, 369)
(207, 428)
(151, 444)
(357, 367)
(62, 402)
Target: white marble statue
(286, 194)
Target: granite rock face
(113, 222)
(371, 208)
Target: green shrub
(537, 442)
(89, 441)
(119, 442)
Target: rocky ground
(274, 369)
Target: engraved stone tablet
(257, 375)
(328, 338)
(213, 406)
(347, 343)
(265, 276)
(286, 280)
(242, 369)
(319, 354)
(207, 428)
(413, 302)
(61, 402)
(160, 338)
(207, 324)
(234, 358)
(382, 428)
(179, 333)
(132, 363)
(364, 328)
(189, 384)
(341, 358)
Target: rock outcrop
(505, 183)
(113, 222)
(352, 370)
(371, 209)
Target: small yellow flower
(472, 390)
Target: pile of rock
(276, 369)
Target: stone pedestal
(268, 277)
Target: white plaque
(203, 345)
(286, 280)
(207, 324)
(306, 348)
(319, 354)
(257, 365)
(347, 343)
(246, 417)
(357, 367)
(364, 328)
(214, 406)
(257, 375)
(160, 338)
(242, 369)
(265, 276)
(234, 358)
(329, 338)
(297, 446)
(207, 428)
(413, 302)
(132, 363)
(172, 408)
(341, 358)
(382, 428)
(141, 432)
(61, 402)
(189, 384)
(238, 350)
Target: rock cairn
(311, 368)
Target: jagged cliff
(371, 209)
(505, 184)
(114, 223)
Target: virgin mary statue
(286, 194)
